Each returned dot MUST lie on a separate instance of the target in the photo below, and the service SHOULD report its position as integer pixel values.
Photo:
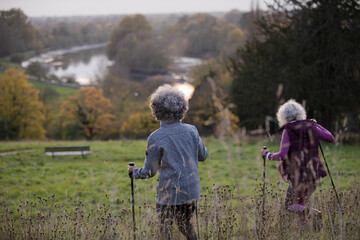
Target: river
(86, 64)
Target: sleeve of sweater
(324, 134)
(203, 153)
(152, 162)
(284, 148)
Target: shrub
(17, 58)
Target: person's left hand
(130, 168)
(264, 152)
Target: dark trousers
(181, 214)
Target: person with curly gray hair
(174, 151)
(300, 164)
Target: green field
(102, 178)
(104, 171)
(61, 92)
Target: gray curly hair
(290, 111)
(168, 103)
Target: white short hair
(168, 103)
(290, 111)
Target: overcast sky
(35, 8)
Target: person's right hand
(130, 168)
(264, 152)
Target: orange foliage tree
(21, 114)
(90, 110)
(139, 123)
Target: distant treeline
(20, 33)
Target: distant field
(104, 171)
(62, 92)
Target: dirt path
(16, 152)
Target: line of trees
(180, 34)
(25, 114)
(18, 35)
(203, 36)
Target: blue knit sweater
(174, 150)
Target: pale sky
(35, 8)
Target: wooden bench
(67, 151)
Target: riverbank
(84, 65)
(59, 84)
(48, 57)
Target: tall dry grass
(223, 213)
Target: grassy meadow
(60, 92)
(70, 197)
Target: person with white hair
(300, 164)
(174, 151)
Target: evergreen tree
(16, 33)
(308, 50)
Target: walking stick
(263, 203)
(332, 182)
(132, 196)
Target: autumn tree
(139, 123)
(21, 114)
(129, 97)
(90, 111)
(210, 106)
(124, 94)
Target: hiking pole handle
(130, 164)
(264, 157)
(264, 148)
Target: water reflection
(85, 67)
(86, 64)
